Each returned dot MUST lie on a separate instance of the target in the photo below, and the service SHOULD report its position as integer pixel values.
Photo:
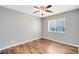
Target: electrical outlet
(69, 40)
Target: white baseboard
(37, 39)
(61, 42)
(19, 43)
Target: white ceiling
(29, 9)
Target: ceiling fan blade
(36, 7)
(49, 6)
(35, 11)
(49, 11)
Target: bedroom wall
(17, 27)
(71, 35)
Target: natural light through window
(56, 25)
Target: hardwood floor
(41, 46)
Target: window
(56, 25)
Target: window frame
(63, 18)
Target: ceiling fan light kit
(43, 9)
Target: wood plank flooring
(41, 46)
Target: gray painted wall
(71, 34)
(16, 27)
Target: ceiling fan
(43, 9)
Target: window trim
(63, 18)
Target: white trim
(37, 39)
(62, 18)
(19, 43)
(61, 42)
